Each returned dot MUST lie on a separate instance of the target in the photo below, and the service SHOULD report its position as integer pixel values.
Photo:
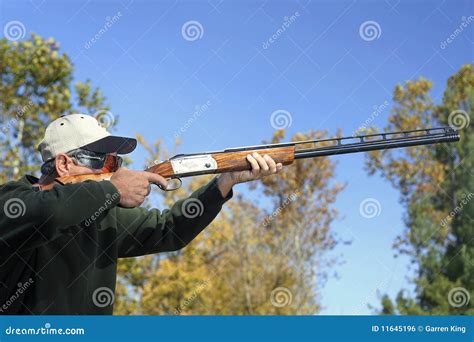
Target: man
(59, 244)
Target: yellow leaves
(250, 248)
(278, 135)
(141, 140)
(413, 106)
(417, 88)
(398, 92)
(411, 168)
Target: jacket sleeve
(143, 231)
(31, 218)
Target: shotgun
(234, 159)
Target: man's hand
(134, 186)
(261, 167)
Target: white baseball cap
(70, 132)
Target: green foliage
(36, 88)
(436, 185)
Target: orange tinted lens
(112, 163)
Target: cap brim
(112, 144)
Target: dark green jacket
(59, 248)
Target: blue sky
(321, 69)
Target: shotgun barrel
(380, 141)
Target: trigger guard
(172, 189)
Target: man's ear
(64, 164)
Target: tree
(253, 259)
(36, 88)
(436, 187)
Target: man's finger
(254, 164)
(271, 163)
(155, 179)
(262, 162)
